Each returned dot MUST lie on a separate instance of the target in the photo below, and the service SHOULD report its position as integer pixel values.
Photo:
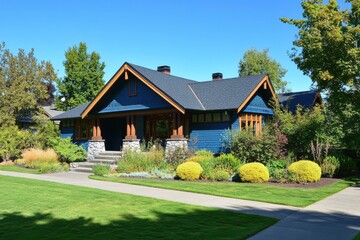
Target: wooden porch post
(96, 130)
(180, 129)
(174, 125)
(130, 128)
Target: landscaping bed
(264, 192)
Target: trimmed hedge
(305, 171)
(189, 171)
(254, 172)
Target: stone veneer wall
(133, 145)
(173, 144)
(94, 148)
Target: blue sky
(195, 38)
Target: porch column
(96, 144)
(130, 128)
(176, 140)
(177, 124)
(131, 142)
(96, 130)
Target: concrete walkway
(336, 217)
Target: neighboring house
(140, 103)
(25, 122)
(306, 99)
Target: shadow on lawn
(199, 224)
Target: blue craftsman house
(139, 103)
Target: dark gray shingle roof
(226, 93)
(72, 113)
(176, 88)
(291, 100)
(192, 95)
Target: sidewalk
(336, 217)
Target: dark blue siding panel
(118, 100)
(66, 132)
(83, 143)
(257, 105)
(234, 121)
(209, 136)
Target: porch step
(103, 161)
(108, 157)
(82, 169)
(111, 153)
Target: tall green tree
(327, 50)
(256, 62)
(84, 77)
(23, 81)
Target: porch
(117, 132)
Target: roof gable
(117, 99)
(232, 93)
(306, 99)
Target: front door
(113, 131)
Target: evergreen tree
(83, 80)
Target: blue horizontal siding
(258, 105)
(67, 132)
(209, 136)
(118, 100)
(82, 143)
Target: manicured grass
(298, 197)
(32, 209)
(357, 237)
(14, 168)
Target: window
(251, 122)
(67, 123)
(210, 117)
(132, 87)
(83, 129)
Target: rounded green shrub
(221, 175)
(189, 171)
(204, 153)
(254, 172)
(227, 162)
(101, 170)
(329, 166)
(305, 171)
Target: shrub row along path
(336, 217)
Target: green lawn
(357, 237)
(32, 209)
(298, 197)
(14, 168)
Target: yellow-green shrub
(305, 171)
(254, 172)
(189, 171)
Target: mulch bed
(321, 183)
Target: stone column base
(173, 144)
(131, 144)
(94, 148)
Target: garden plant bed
(33, 209)
(271, 193)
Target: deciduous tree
(22, 84)
(256, 62)
(327, 50)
